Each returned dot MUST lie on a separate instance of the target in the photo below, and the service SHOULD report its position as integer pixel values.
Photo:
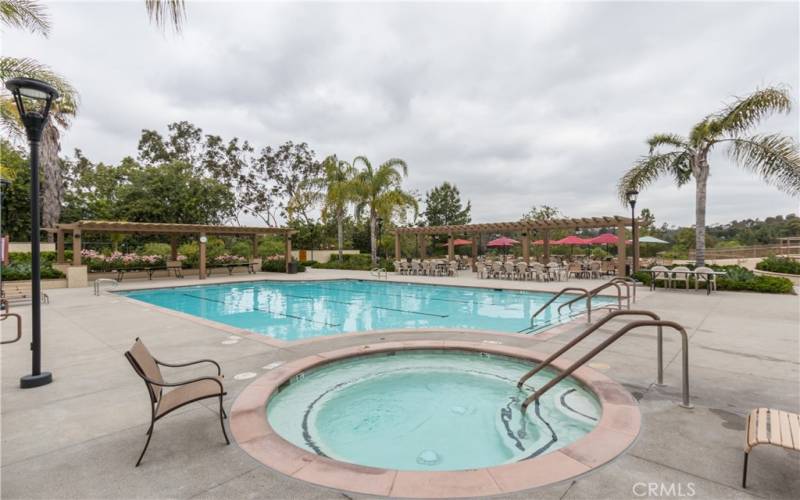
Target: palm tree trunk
(373, 241)
(340, 233)
(701, 182)
(52, 185)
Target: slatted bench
(768, 426)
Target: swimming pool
(429, 410)
(306, 309)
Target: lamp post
(379, 223)
(33, 99)
(632, 195)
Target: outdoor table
(689, 273)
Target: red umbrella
(605, 239)
(502, 242)
(459, 243)
(538, 242)
(571, 240)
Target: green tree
(443, 206)
(335, 191)
(281, 173)
(774, 157)
(541, 213)
(16, 193)
(379, 193)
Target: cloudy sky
(517, 104)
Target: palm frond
(647, 170)
(166, 12)
(666, 140)
(746, 112)
(67, 104)
(394, 163)
(29, 15)
(774, 157)
(9, 120)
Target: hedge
(738, 279)
(782, 265)
(355, 262)
(279, 266)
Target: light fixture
(34, 99)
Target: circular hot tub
(427, 419)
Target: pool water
(306, 309)
(429, 410)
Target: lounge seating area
(510, 269)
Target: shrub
(356, 262)
(242, 248)
(309, 263)
(277, 264)
(162, 249)
(783, 265)
(19, 267)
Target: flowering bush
(118, 260)
(227, 258)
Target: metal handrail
(553, 299)
(630, 282)
(592, 293)
(583, 335)
(6, 315)
(376, 271)
(100, 281)
(686, 403)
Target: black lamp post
(33, 99)
(379, 223)
(632, 195)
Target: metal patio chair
(162, 403)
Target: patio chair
(523, 271)
(538, 272)
(509, 271)
(416, 268)
(163, 403)
(768, 426)
(452, 270)
(575, 269)
(594, 269)
(710, 279)
(497, 270)
(680, 273)
(481, 269)
(665, 275)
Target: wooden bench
(768, 426)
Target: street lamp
(379, 223)
(33, 99)
(632, 195)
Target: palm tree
(379, 191)
(334, 190)
(163, 12)
(774, 157)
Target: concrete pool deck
(80, 436)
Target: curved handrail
(630, 282)
(100, 281)
(553, 299)
(376, 271)
(583, 335)
(594, 292)
(686, 403)
(5, 315)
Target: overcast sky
(517, 104)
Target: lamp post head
(632, 195)
(33, 99)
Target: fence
(749, 252)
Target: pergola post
(546, 246)
(418, 249)
(60, 247)
(203, 240)
(450, 247)
(255, 247)
(396, 246)
(76, 247)
(173, 248)
(621, 250)
(475, 252)
(423, 246)
(526, 246)
(288, 250)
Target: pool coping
(617, 430)
(545, 334)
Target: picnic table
(707, 274)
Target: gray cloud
(518, 104)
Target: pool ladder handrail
(654, 321)
(593, 292)
(376, 271)
(553, 299)
(100, 281)
(5, 315)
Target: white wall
(322, 256)
(26, 247)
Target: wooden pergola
(77, 229)
(525, 228)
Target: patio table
(707, 274)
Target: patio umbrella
(649, 239)
(504, 243)
(458, 243)
(605, 239)
(571, 240)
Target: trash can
(293, 267)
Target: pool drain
(428, 457)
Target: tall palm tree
(164, 12)
(380, 193)
(774, 157)
(334, 190)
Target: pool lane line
(411, 312)
(365, 292)
(317, 298)
(267, 310)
